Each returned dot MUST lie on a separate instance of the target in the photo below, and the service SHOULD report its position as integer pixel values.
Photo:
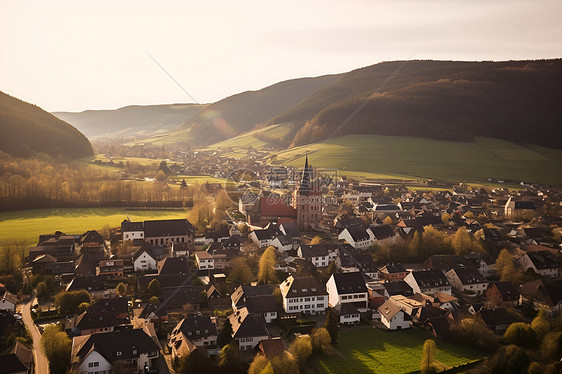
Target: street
(41, 363)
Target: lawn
(27, 225)
(376, 351)
(401, 156)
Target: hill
(133, 120)
(27, 129)
(514, 100)
(242, 112)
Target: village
(300, 255)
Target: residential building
(393, 272)
(503, 293)
(144, 259)
(428, 282)
(303, 294)
(247, 331)
(357, 236)
(467, 280)
(392, 316)
(347, 288)
(319, 254)
(201, 332)
(543, 263)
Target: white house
(283, 243)
(132, 230)
(94, 363)
(429, 282)
(357, 236)
(144, 259)
(199, 331)
(347, 288)
(392, 316)
(247, 331)
(467, 280)
(319, 254)
(8, 300)
(348, 314)
(303, 294)
(543, 263)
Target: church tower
(307, 200)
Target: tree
(331, 270)
(240, 272)
(154, 288)
(413, 246)
(507, 360)
(69, 302)
(266, 270)
(428, 364)
(387, 220)
(153, 300)
(225, 334)
(284, 364)
(229, 359)
(83, 307)
(301, 349)
(56, 345)
(244, 229)
(461, 241)
(41, 290)
(259, 364)
(121, 288)
(520, 334)
(160, 176)
(331, 325)
(347, 207)
(321, 341)
(504, 258)
(551, 347)
(198, 361)
(541, 325)
(474, 332)
(316, 240)
(535, 368)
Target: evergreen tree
(154, 288)
(225, 334)
(266, 272)
(331, 324)
(229, 359)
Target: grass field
(27, 225)
(399, 156)
(375, 351)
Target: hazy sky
(78, 55)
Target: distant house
(283, 243)
(393, 272)
(348, 314)
(303, 295)
(132, 230)
(544, 294)
(98, 353)
(495, 319)
(25, 354)
(397, 288)
(144, 259)
(247, 331)
(173, 265)
(8, 300)
(381, 233)
(428, 282)
(467, 280)
(392, 316)
(117, 306)
(484, 263)
(543, 263)
(92, 322)
(357, 236)
(347, 288)
(113, 267)
(166, 232)
(503, 293)
(200, 331)
(262, 306)
(180, 249)
(95, 285)
(10, 363)
(318, 254)
(244, 292)
(519, 209)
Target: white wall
(93, 358)
(148, 264)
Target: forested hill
(27, 130)
(132, 120)
(517, 101)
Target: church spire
(306, 180)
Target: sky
(79, 55)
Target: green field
(399, 156)
(27, 225)
(376, 351)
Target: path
(41, 363)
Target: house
(525, 210)
(243, 293)
(303, 294)
(262, 306)
(10, 363)
(211, 260)
(495, 319)
(272, 348)
(397, 288)
(543, 263)
(200, 331)
(247, 331)
(393, 272)
(484, 263)
(180, 249)
(544, 294)
(154, 313)
(132, 230)
(173, 265)
(165, 232)
(217, 235)
(282, 243)
(503, 293)
(318, 254)
(113, 267)
(347, 288)
(271, 209)
(8, 300)
(428, 282)
(393, 317)
(382, 233)
(117, 306)
(357, 236)
(95, 285)
(438, 326)
(25, 354)
(144, 259)
(290, 230)
(88, 323)
(467, 280)
(348, 314)
(264, 237)
(132, 349)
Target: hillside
(27, 129)
(515, 100)
(133, 120)
(240, 113)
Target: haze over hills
(27, 130)
(513, 100)
(133, 120)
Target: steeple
(306, 180)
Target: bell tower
(307, 200)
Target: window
(119, 353)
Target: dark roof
(290, 229)
(439, 324)
(549, 293)
(394, 268)
(346, 222)
(132, 226)
(24, 353)
(157, 309)
(88, 282)
(178, 297)
(173, 265)
(525, 205)
(261, 304)
(358, 233)
(272, 347)
(284, 239)
(543, 260)
(469, 275)
(507, 291)
(343, 309)
(196, 327)
(245, 325)
(169, 227)
(398, 288)
(301, 286)
(115, 305)
(430, 278)
(87, 262)
(427, 312)
(242, 293)
(347, 283)
(92, 236)
(495, 317)
(382, 232)
(387, 207)
(316, 250)
(11, 363)
(129, 343)
(92, 320)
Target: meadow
(375, 351)
(27, 225)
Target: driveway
(41, 363)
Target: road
(41, 363)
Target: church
(307, 200)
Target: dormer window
(134, 351)
(119, 353)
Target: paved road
(41, 363)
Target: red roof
(276, 208)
